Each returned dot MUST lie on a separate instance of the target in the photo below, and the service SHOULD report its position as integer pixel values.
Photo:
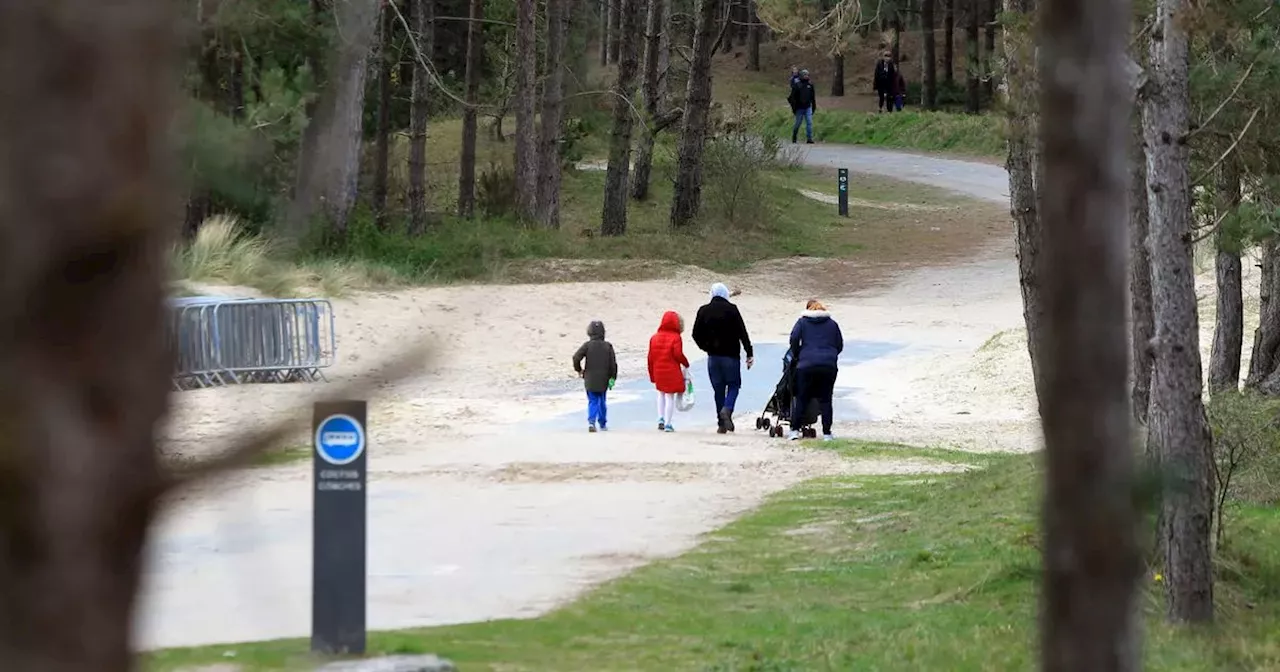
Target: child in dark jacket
(599, 374)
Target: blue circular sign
(340, 439)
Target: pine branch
(1232, 148)
(1205, 124)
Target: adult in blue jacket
(816, 344)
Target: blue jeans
(803, 116)
(597, 408)
(726, 380)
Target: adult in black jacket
(884, 81)
(804, 102)
(719, 331)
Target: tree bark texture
(1141, 317)
(949, 41)
(895, 45)
(1228, 332)
(1264, 363)
(664, 53)
(526, 95)
(686, 198)
(1023, 164)
(552, 114)
(837, 75)
(653, 98)
(423, 17)
(615, 30)
(753, 37)
(973, 62)
(382, 144)
(85, 364)
(327, 182)
(467, 161)
(930, 61)
(604, 32)
(1091, 556)
(726, 31)
(1179, 430)
(992, 8)
(613, 221)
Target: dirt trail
(489, 500)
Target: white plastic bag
(684, 402)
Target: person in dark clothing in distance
(718, 330)
(816, 344)
(795, 76)
(598, 375)
(804, 102)
(884, 80)
(899, 91)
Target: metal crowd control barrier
(222, 341)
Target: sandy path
(487, 500)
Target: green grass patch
(919, 572)
(282, 455)
(979, 135)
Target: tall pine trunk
(949, 41)
(653, 98)
(474, 62)
(613, 220)
(1228, 333)
(1264, 362)
(973, 63)
(526, 93)
(930, 63)
(686, 199)
(552, 112)
(895, 46)
(989, 54)
(327, 181)
(837, 75)
(726, 44)
(1179, 430)
(423, 16)
(382, 145)
(753, 37)
(1091, 556)
(615, 30)
(604, 32)
(1141, 316)
(1023, 164)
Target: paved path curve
(979, 180)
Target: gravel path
(978, 180)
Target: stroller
(779, 406)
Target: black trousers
(815, 382)
(886, 100)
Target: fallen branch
(662, 122)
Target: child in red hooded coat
(666, 367)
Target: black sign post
(844, 192)
(339, 528)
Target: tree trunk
(613, 221)
(686, 199)
(973, 64)
(1264, 363)
(1179, 431)
(423, 17)
(989, 54)
(475, 61)
(526, 94)
(726, 45)
(664, 53)
(382, 150)
(753, 37)
(1024, 166)
(552, 112)
(1141, 315)
(653, 98)
(604, 33)
(837, 75)
(1228, 333)
(949, 41)
(1091, 557)
(327, 182)
(615, 30)
(929, 62)
(235, 85)
(90, 94)
(896, 43)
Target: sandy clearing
(485, 503)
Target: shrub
(1246, 444)
(496, 190)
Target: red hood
(670, 322)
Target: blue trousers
(597, 408)
(726, 380)
(804, 116)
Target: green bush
(1246, 444)
(972, 134)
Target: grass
(945, 132)
(851, 573)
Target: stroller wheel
(766, 423)
(759, 423)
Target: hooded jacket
(601, 362)
(816, 340)
(802, 96)
(718, 330)
(666, 355)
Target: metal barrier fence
(222, 341)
